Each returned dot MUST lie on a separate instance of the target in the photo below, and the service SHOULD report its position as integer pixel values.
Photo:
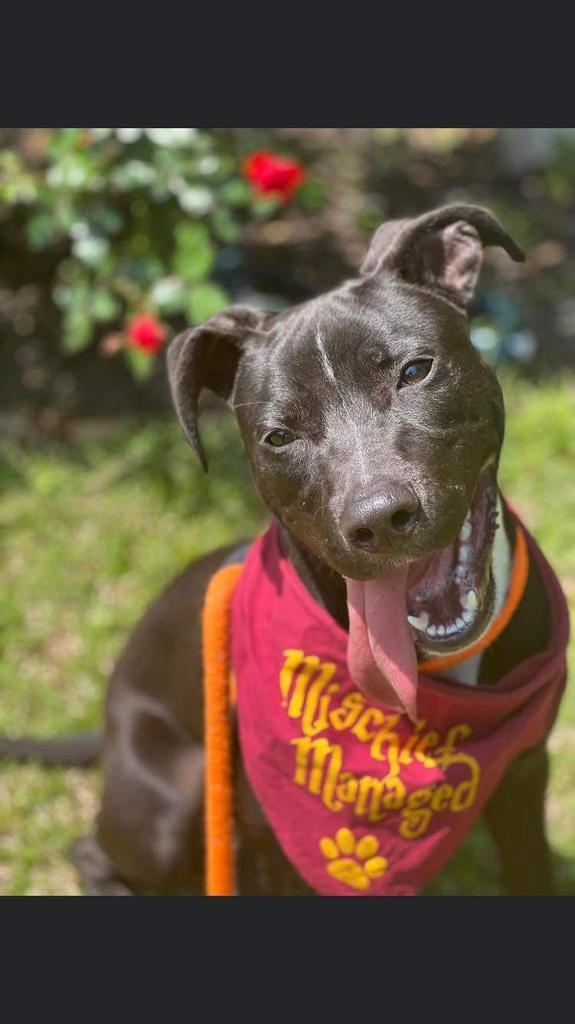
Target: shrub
(137, 214)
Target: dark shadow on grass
(475, 869)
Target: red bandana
(362, 800)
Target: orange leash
(517, 584)
(219, 816)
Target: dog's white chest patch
(466, 673)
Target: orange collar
(517, 584)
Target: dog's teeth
(470, 601)
(465, 532)
(464, 553)
(420, 622)
(459, 572)
(452, 628)
(432, 630)
(467, 617)
(441, 630)
(460, 623)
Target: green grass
(90, 534)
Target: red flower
(271, 174)
(146, 333)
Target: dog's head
(372, 425)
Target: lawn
(88, 536)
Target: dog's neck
(324, 584)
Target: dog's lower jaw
(499, 577)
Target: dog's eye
(414, 372)
(279, 438)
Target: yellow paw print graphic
(355, 863)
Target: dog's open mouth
(440, 603)
(448, 593)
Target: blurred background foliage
(101, 501)
(99, 225)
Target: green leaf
(142, 270)
(17, 184)
(77, 330)
(225, 227)
(103, 305)
(311, 194)
(133, 175)
(41, 230)
(74, 171)
(62, 295)
(91, 250)
(169, 294)
(205, 300)
(107, 220)
(237, 192)
(139, 362)
(194, 256)
(265, 207)
(195, 199)
(175, 137)
(64, 140)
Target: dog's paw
(353, 862)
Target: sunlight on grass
(89, 536)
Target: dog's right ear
(441, 251)
(207, 356)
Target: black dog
(373, 430)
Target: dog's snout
(377, 524)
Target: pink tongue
(381, 652)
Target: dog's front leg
(516, 817)
(150, 822)
(96, 872)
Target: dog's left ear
(443, 250)
(207, 356)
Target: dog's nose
(377, 524)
